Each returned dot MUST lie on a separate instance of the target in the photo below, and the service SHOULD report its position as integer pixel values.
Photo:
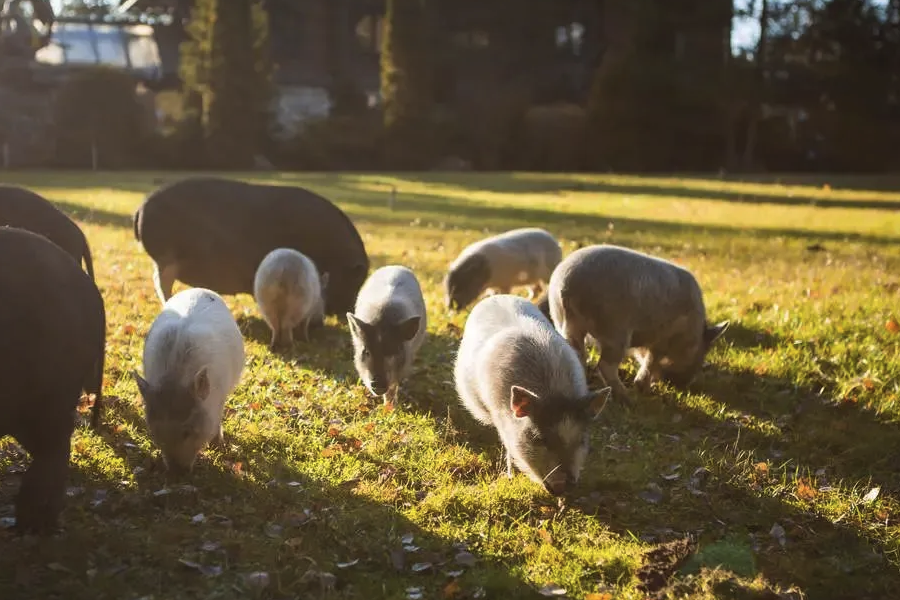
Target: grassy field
(776, 476)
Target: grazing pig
(517, 257)
(52, 345)
(388, 328)
(289, 293)
(515, 372)
(213, 232)
(627, 300)
(24, 209)
(193, 359)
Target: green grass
(782, 436)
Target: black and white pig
(388, 327)
(22, 208)
(631, 302)
(525, 256)
(52, 346)
(514, 372)
(213, 233)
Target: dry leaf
(893, 326)
(595, 596)
(330, 451)
(805, 491)
(388, 407)
(334, 431)
(871, 495)
(762, 468)
(451, 589)
(128, 329)
(236, 467)
(545, 535)
(369, 427)
(254, 406)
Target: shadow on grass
(96, 216)
(825, 559)
(742, 336)
(310, 536)
(647, 186)
(435, 207)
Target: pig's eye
(539, 441)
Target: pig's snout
(378, 387)
(558, 484)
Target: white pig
(516, 373)
(193, 359)
(290, 294)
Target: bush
(552, 138)
(490, 124)
(99, 108)
(335, 143)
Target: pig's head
(177, 419)
(379, 351)
(686, 356)
(553, 437)
(465, 281)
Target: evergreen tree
(406, 71)
(226, 76)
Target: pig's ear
(408, 329)
(596, 402)
(357, 326)
(520, 401)
(712, 333)
(143, 384)
(201, 384)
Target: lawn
(778, 472)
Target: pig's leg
(612, 353)
(164, 277)
(391, 395)
(649, 372)
(575, 336)
(42, 493)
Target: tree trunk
(760, 80)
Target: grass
(764, 472)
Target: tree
(226, 76)
(406, 71)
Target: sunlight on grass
(774, 453)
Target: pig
(388, 327)
(629, 302)
(193, 359)
(514, 372)
(289, 293)
(524, 256)
(52, 346)
(22, 208)
(213, 232)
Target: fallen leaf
(777, 532)
(545, 535)
(414, 593)
(128, 329)
(595, 596)
(198, 518)
(871, 495)
(451, 589)
(805, 491)
(422, 566)
(236, 467)
(257, 579)
(762, 467)
(369, 427)
(551, 589)
(893, 326)
(330, 451)
(293, 542)
(466, 559)
(334, 431)
(347, 565)
(208, 570)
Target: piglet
(388, 327)
(193, 359)
(290, 294)
(631, 301)
(524, 256)
(514, 372)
